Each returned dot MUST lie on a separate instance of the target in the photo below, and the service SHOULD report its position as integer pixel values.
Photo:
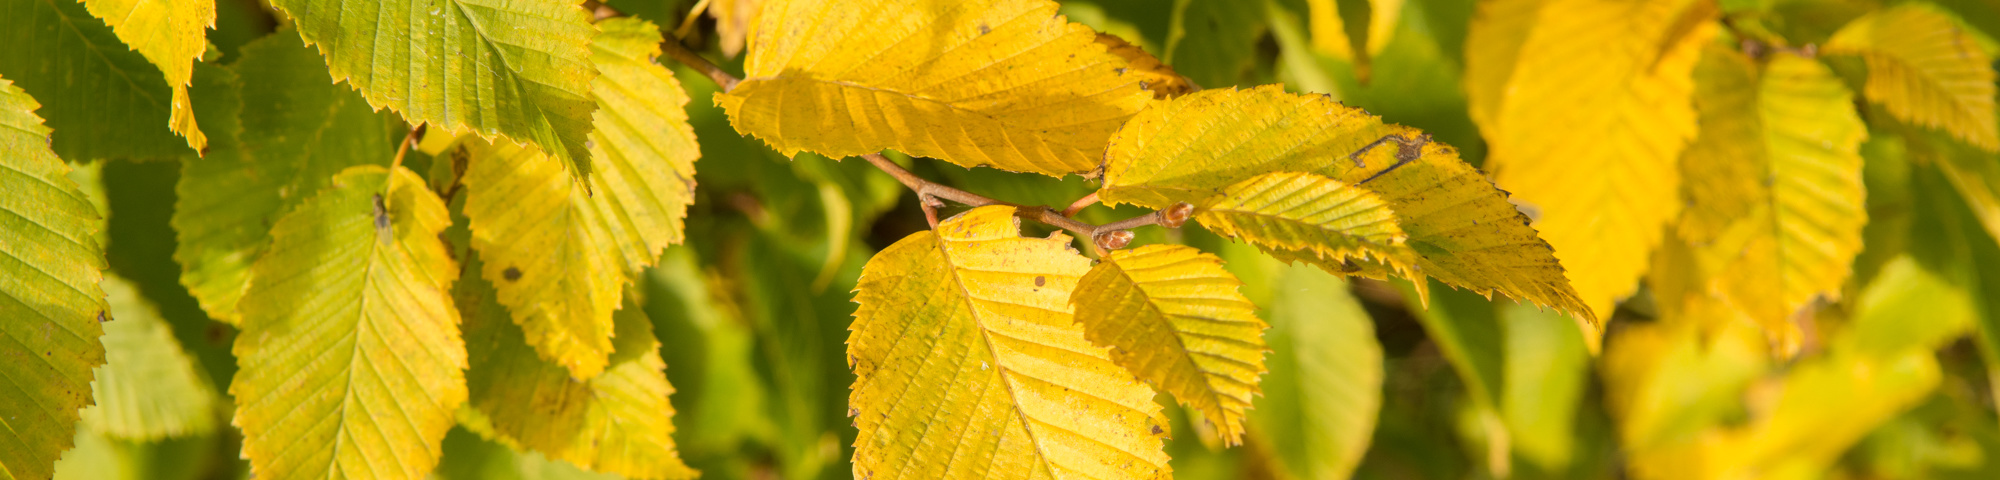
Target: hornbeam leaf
(1002, 83)
(1592, 145)
(558, 251)
(1926, 69)
(1324, 392)
(1769, 248)
(105, 100)
(1160, 78)
(1329, 30)
(1172, 315)
(350, 353)
(172, 35)
(617, 422)
(298, 131)
(1462, 229)
(969, 365)
(50, 266)
(519, 69)
(148, 388)
(1312, 218)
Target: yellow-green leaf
(1926, 69)
(298, 131)
(350, 354)
(148, 388)
(497, 68)
(559, 251)
(1324, 392)
(1172, 315)
(968, 364)
(1002, 83)
(1591, 145)
(103, 99)
(1159, 78)
(1463, 230)
(172, 34)
(1773, 187)
(50, 266)
(617, 422)
(1314, 218)
(1329, 30)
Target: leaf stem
(403, 148)
(673, 48)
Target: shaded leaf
(468, 457)
(968, 363)
(50, 266)
(1324, 391)
(1002, 83)
(350, 350)
(1546, 371)
(148, 388)
(1329, 30)
(1171, 315)
(1462, 228)
(104, 100)
(1215, 42)
(1591, 146)
(514, 69)
(1925, 69)
(1311, 218)
(172, 35)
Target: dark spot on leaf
(1121, 70)
(100, 318)
(1040, 281)
(511, 274)
(983, 29)
(1157, 430)
(381, 214)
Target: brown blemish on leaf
(1040, 281)
(511, 274)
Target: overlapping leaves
(1925, 69)
(169, 33)
(102, 99)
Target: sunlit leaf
(617, 422)
(298, 131)
(968, 363)
(1462, 228)
(1329, 30)
(1160, 78)
(50, 266)
(172, 35)
(350, 352)
(516, 69)
(1310, 218)
(733, 19)
(148, 388)
(1925, 69)
(103, 99)
(1002, 83)
(1172, 315)
(1324, 391)
(559, 251)
(1587, 129)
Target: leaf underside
(103, 99)
(1307, 217)
(1925, 69)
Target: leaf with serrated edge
(350, 354)
(1172, 315)
(50, 265)
(172, 34)
(103, 99)
(558, 251)
(148, 388)
(299, 130)
(617, 422)
(1296, 214)
(1463, 230)
(1926, 69)
(1769, 248)
(1160, 78)
(1003, 83)
(968, 364)
(519, 69)
(1592, 146)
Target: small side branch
(673, 48)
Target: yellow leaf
(560, 251)
(350, 354)
(617, 422)
(1302, 216)
(1926, 69)
(1587, 128)
(1463, 230)
(1329, 31)
(1773, 187)
(1666, 382)
(172, 34)
(1159, 78)
(1171, 314)
(733, 19)
(969, 365)
(1002, 83)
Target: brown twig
(402, 149)
(1080, 204)
(673, 48)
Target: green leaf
(169, 33)
(1172, 316)
(299, 130)
(1324, 391)
(350, 350)
(1546, 369)
(560, 251)
(105, 100)
(469, 457)
(617, 422)
(148, 388)
(518, 69)
(50, 266)
(1214, 42)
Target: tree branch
(931, 195)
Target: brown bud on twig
(1113, 240)
(1176, 215)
